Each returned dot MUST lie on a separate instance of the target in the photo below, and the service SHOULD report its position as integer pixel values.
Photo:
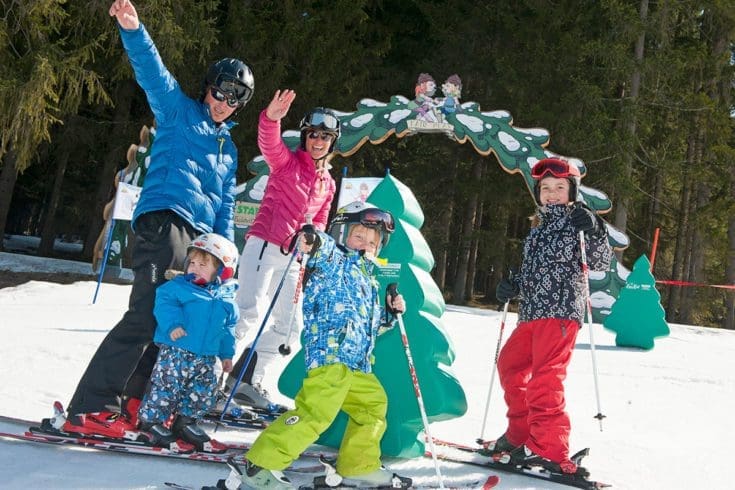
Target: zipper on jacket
(220, 156)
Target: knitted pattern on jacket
(551, 280)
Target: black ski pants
(122, 365)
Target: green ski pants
(326, 390)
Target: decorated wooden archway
(490, 132)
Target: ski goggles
(556, 167)
(231, 89)
(220, 96)
(376, 218)
(322, 120)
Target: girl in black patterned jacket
(533, 363)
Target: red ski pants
(532, 367)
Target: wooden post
(653, 247)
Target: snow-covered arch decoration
(517, 150)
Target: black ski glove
(506, 290)
(391, 291)
(584, 219)
(311, 237)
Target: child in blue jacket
(196, 314)
(342, 320)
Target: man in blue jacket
(189, 190)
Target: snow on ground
(667, 410)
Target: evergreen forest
(641, 91)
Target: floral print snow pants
(182, 383)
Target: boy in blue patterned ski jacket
(551, 286)
(342, 319)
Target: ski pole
(392, 292)
(257, 335)
(586, 273)
(285, 348)
(481, 439)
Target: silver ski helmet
(559, 168)
(320, 119)
(361, 213)
(221, 248)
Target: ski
(234, 422)
(332, 480)
(234, 450)
(475, 456)
(239, 418)
(491, 482)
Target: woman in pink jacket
(299, 186)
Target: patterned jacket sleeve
(599, 251)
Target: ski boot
(378, 479)
(255, 396)
(235, 410)
(130, 409)
(97, 425)
(254, 477)
(161, 436)
(524, 457)
(187, 429)
(100, 424)
(496, 447)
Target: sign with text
(126, 198)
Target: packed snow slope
(668, 410)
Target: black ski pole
(249, 357)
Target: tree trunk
(472, 269)
(115, 155)
(459, 294)
(677, 267)
(442, 261)
(48, 229)
(8, 176)
(474, 254)
(621, 209)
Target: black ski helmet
(365, 214)
(320, 119)
(559, 168)
(231, 77)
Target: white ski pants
(262, 265)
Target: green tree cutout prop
(637, 316)
(606, 287)
(443, 395)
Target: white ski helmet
(361, 213)
(224, 250)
